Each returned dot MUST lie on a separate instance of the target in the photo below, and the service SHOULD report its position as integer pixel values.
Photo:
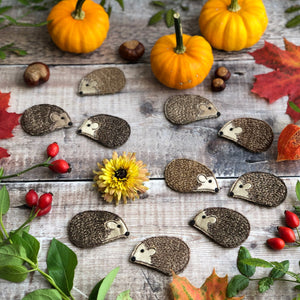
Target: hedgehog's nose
(192, 223)
(70, 123)
(79, 131)
(231, 194)
(81, 93)
(133, 259)
(218, 114)
(221, 133)
(216, 190)
(127, 233)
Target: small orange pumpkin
(289, 143)
(232, 25)
(78, 26)
(181, 61)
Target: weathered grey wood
(159, 212)
(123, 27)
(155, 140)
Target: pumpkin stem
(234, 6)
(78, 13)
(180, 48)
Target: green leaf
(298, 190)
(297, 298)
(245, 269)
(24, 2)
(121, 3)
(4, 9)
(43, 294)
(293, 22)
(19, 52)
(101, 288)
(292, 9)
(1, 169)
(297, 287)
(264, 284)
(184, 7)
(156, 17)
(236, 284)
(4, 201)
(61, 264)
(158, 3)
(13, 273)
(39, 8)
(12, 254)
(124, 296)
(109, 9)
(297, 209)
(10, 19)
(280, 269)
(169, 18)
(1, 236)
(102, 3)
(294, 106)
(257, 262)
(2, 55)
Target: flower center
(121, 173)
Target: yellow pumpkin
(78, 26)
(232, 25)
(181, 61)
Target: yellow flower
(121, 178)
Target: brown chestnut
(223, 73)
(218, 85)
(36, 73)
(131, 50)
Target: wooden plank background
(155, 141)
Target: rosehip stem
(298, 232)
(44, 164)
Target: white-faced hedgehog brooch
(252, 134)
(93, 228)
(102, 81)
(162, 253)
(185, 109)
(107, 130)
(185, 176)
(224, 226)
(260, 188)
(44, 118)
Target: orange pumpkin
(289, 143)
(78, 26)
(181, 61)
(232, 25)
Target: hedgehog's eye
(62, 118)
(142, 250)
(88, 125)
(209, 108)
(231, 129)
(240, 186)
(119, 226)
(210, 181)
(86, 84)
(204, 216)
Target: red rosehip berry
(291, 219)
(52, 150)
(287, 234)
(45, 200)
(42, 212)
(31, 198)
(276, 243)
(60, 166)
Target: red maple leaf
(3, 153)
(4, 99)
(284, 80)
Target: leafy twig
(11, 48)
(295, 21)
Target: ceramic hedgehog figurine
(260, 188)
(44, 118)
(93, 228)
(253, 134)
(102, 81)
(107, 130)
(225, 226)
(185, 176)
(184, 109)
(163, 253)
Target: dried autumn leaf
(284, 80)
(4, 99)
(3, 153)
(289, 143)
(8, 121)
(214, 288)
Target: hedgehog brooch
(185, 109)
(107, 130)
(224, 226)
(44, 118)
(93, 228)
(162, 253)
(185, 176)
(252, 134)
